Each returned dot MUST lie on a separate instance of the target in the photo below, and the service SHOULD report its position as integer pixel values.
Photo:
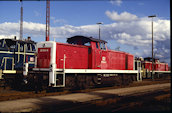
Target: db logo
(103, 60)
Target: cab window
(33, 47)
(3, 45)
(102, 46)
(29, 47)
(87, 44)
(13, 48)
(21, 47)
(97, 46)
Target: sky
(125, 27)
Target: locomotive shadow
(52, 104)
(106, 103)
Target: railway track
(11, 94)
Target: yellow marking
(9, 71)
(8, 52)
(1, 74)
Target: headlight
(32, 59)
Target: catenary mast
(47, 20)
(21, 20)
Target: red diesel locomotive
(83, 61)
(157, 66)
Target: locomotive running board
(58, 78)
(161, 71)
(87, 70)
(98, 71)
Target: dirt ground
(155, 97)
(150, 102)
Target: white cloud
(116, 2)
(7, 36)
(59, 21)
(9, 29)
(136, 34)
(124, 16)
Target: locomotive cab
(88, 41)
(97, 50)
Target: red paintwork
(76, 56)
(117, 60)
(130, 62)
(157, 66)
(109, 59)
(85, 57)
(43, 57)
(91, 57)
(148, 65)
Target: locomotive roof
(84, 39)
(13, 41)
(149, 58)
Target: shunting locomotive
(83, 62)
(17, 57)
(145, 67)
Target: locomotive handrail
(18, 53)
(24, 53)
(64, 61)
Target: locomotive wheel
(118, 81)
(81, 81)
